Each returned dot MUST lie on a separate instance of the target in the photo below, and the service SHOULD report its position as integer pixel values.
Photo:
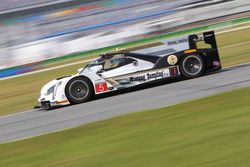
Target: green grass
(209, 132)
(20, 94)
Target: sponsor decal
(137, 78)
(101, 87)
(173, 71)
(175, 42)
(155, 75)
(209, 35)
(172, 60)
(149, 76)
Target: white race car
(121, 69)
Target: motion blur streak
(33, 31)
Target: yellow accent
(62, 102)
(190, 51)
(172, 60)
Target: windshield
(93, 63)
(104, 60)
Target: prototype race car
(121, 69)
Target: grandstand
(34, 30)
(18, 5)
(37, 25)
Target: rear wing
(208, 37)
(189, 42)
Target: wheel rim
(78, 90)
(192, 65)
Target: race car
(122, 69)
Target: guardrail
(39, 65)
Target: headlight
(52, 90)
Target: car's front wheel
(78, 90)
(192, 66)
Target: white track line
(88, 60)
(234, 29)
(42, 134)
(48, 69)
(19, 113)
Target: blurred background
(33, 31)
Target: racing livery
(122, 69)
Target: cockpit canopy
(116, 59)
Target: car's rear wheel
(78, 90)
(192, 66)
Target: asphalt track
(37, 122)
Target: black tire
(192, 66)
(78, 90)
